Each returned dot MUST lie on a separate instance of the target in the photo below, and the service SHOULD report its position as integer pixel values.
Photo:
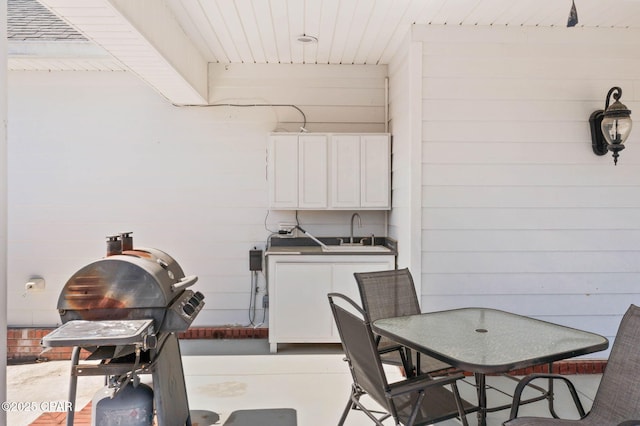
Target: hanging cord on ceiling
(573, 15)
(304, 117)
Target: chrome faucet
(359, 225)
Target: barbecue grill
(125, 309)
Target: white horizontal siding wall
(92, 154)
(405, 79)
(400, 126)
(517, 212)
(335, 98)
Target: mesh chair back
(618, 396)
(387, 294)
(360, 348)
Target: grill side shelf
(99, 333)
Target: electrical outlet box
(255, 260)
(35, 283)
(286, 229)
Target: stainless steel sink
(355, 248)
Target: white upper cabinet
(318, 171)
(360, 171)
(375, 171)
(312, 171)
(282, 171)
(297, 171)
(345, 171)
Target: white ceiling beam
(167, 60)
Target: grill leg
(169, 389)
(73, 384)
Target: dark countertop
(306, 246)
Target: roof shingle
(28, 20)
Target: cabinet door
(312, 175)
(345, 171)
(283, 171)
(359, 174)
(375, 171)
(298, 303)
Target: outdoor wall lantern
(610, 127)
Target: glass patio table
(488, 341)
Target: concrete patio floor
(223, 376)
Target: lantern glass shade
(616, 130)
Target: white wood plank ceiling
(348, 31)
(363, 31)
(169, 43)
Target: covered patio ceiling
(169, 43)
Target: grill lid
(119, 282)
(142, 283)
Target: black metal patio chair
(617, 401)
(387, 294)
(412, 402)
(391, 293)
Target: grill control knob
(198, 296)
(188, 309)
(194, 301)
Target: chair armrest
(419, 383)
(525, 381)
(630, 423)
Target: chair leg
(405, 357)
(416, 408)
(456, 395)
(351, 403)
(370, 414)
(343, 418)
(355, 404)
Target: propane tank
(131, 406)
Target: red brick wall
(224, 333)
(24, 343)
(576, 366)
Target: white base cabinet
(298, 286)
